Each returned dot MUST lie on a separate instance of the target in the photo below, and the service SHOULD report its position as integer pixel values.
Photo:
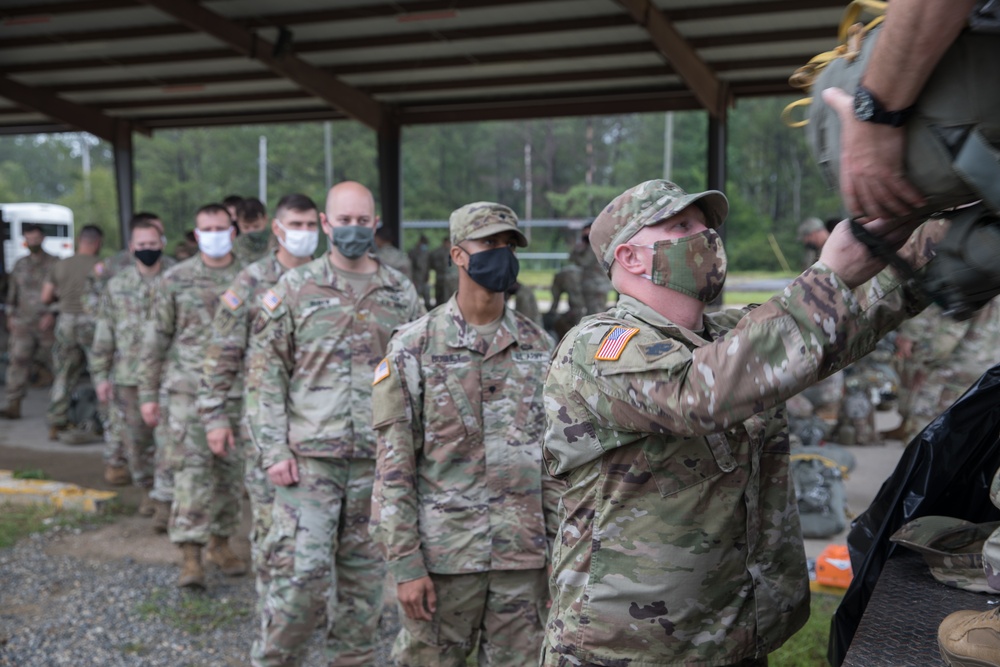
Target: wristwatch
(870, 110)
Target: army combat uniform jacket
(124, 310)
(180, 329)
(24, 289)
(221, 379)
(680, 541)
(459, 482)
(312, 353)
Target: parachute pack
(952, 150)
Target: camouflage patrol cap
(952, 549)
(644, 205)
(809, 226)
(481, 219)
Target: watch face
(864, 105)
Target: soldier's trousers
(137, 444)
(552, 659)
(208, 489)
(163, 474)
(320, 554)
(261, 492)
(26, 343)
(74, 336)
(505, 608)
(115, 452)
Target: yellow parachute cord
(829, 463)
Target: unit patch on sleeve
(231, 299)
(271, 300)
(614, 343)
(381, 371)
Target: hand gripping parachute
(952, 154)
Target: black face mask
(495, 269)
(148, 257)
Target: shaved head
(350, 202)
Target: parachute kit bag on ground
(952, 147)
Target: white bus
(55, 221)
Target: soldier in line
(316, 341)
(187, 248)
(30, 322)
(525, 302)
(126, 304)
(594, 282)
(461, 508)
(207, 488)
(420, 260)
(680, 540)
(569, 281)
(221, 390)
(445, 274)
(67, 283)
(254, 240)
(390, 255)
(232, 203)
(116, 455)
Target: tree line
(576, 166)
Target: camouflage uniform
(126, 305)
(250, 247)
(312, 352)
(459, 484)
(392, 256)
(526, 303)
(594, 283)
(445, 274)
(207, 489)
(420, 260)
(74, 333)
(222, 379)
(680, 540)
(568, 281)
(24, 311)
(950, 356)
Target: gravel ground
(64, 610)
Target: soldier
(390, 255)
(254, 240)
(187, 248)
(525, 302)
(207, 489)
(568, 281)
(420, 260)
(296, 226)
(232, 204)
(127, 302)
(680, 540)
(445, 274)
(594, 282)
(116, 455)
(29, 321)
(461, 509)
(812, 234)
(315, 343)
(66, 284)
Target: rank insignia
(614, 343)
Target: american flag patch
(271, 300)
(230, 299)
(381, 371)
(614, 343)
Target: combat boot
(161, 516)
(54, 431)
(147, 506)
(221, 555)
(970, 638)
(117, 475)
(192, 573)
(13, 409)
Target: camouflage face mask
(694, 265)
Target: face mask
(694, 265)
(258, 239)
(353, 241)
(299, 242)
(495, 269)
(215, 244)
(148, 257)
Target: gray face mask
(353, 241)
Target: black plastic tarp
(946, 470)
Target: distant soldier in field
(222, 386)
(314, 346)
(569, 281)
(593, 281)
(255, 238)
(390, 255)
(126, 306)
(207, 488)
(445, 275)
(420, 259)
(30, 322)
(66, 285)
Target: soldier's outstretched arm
(397, 417)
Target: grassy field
(807, 648)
